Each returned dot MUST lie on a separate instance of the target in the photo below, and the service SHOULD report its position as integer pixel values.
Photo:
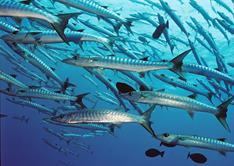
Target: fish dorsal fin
(181, 78)
(111, 55)
(76, 56)
(13, 75)
(180, 58)
(80, 30)
(26, 2)
(52, 68)
(178, 62)
(221, 139)
(222, 153)
(35, 33)
(106, 7)
(167, 24)
(161, 90)
(34, 87)
(191, 114)
(193, 96)
(145, 58)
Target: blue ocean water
(21, 143)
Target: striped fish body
(98, 116)
(98, 28)
(7, 27)
(11, 80)
(206, 71)
(197, 142)
(37, 106)
(43, 37)
(93, 7)
(206, 143)
(15, 9)
(37, 62)
(125, 64)
(170, 100)
(174, 17)
(43, 93)
(182, 84)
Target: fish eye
(166, 135)
(61, 116)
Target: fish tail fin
(79, 99)
(222, 114)
(112, 129)
(128, 25)
(188, 155)
(162, 153)
(65, 85)
(209, 96)
(61, 24)
(68, 141)
(167, 24)
(147, 123)
(26, 120)
(117, 27)
(178, 62)
(109, 44)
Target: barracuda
(43, 93)
(8, 28)
(100, 11)
(206, 71)
(38, 63)
(176, 101)
(201, 10)
(46, 37)
(173, 16)
(166, 34)
(11, 80)
(88, 126)
(126, 64)
(15, 9)
(31, 104)
(184, 85)
(196, 141)
(98, 28)
(106, 116)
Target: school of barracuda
(32, 35)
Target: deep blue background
(21, 143)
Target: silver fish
(196, 142)
(106, 116)
(15, 9)
(176, 101)
(10, 79)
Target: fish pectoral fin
(222, 153)
(191, 114)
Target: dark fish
(153, 153)
(197, 157)
(167, 144)
(124, 88)
(3, 115)
(159, 30)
